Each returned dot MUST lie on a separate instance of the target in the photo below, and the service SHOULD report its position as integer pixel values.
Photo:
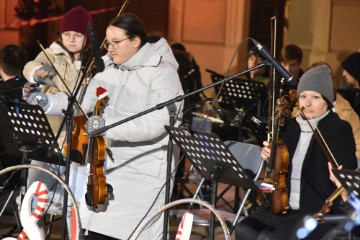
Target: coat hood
(148, 55)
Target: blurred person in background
(351, 74)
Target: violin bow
(325, 148)
(271, 93)
(273, 123)
(320, 139)
(91, 61)
(62, 80)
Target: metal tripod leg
(15, 211)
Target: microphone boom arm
(176, 99)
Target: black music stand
(259, 128)
(349, 179)
(239, 93)
(240, 96)
(213, 160)
(26, 132)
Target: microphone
(267, 55)
(99, 62)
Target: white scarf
(299, 156)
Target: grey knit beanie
(318, 79)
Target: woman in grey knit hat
(308, 178)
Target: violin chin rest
(109, 188)
(88, 199)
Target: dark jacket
(11, 89)
(316, 185)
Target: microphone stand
(160, 106)
(344, 222)
(172, 112)
(68, 119)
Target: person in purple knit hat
(68, 54)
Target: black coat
(11, 89)
(316, 185)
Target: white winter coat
(138, 146)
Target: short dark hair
(178, 46)
(132, 25)
(13, 59)
(291, 52)
(254, 52)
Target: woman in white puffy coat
(137, 76)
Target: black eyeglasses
(114, 44)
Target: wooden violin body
(80, 140)
(279, 197)
(97, 189)
(278, 164)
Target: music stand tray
(25, 128)
(349, 179)
(238, 92)
(210, 156)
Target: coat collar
(150, 55)
(145, 57)
(58, 49)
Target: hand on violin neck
(265, 151)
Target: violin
(79, 143)
(326, 208)
(278, 163)
(97, 189)
(80, 139)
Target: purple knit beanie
(76, 19)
